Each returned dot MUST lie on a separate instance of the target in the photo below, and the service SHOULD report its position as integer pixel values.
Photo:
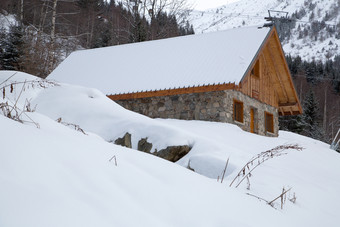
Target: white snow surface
(204, 4)
(56, 176)
(195, 60)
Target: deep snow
(56, 176)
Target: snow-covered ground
(252, 12)
(56, 176)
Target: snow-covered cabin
(237, 76)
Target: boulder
(173, 153)
(144, 145)
(125, 141)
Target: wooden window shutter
(269, 122)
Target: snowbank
(56, 176)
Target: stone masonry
(207, 106)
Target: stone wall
(207, 106)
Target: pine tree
(11, 49)
(310, 118)
(311, 72)
(3, 42)
(336, 74)
(291, 123)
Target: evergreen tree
(3, 42)
(11, 49)
(336, 74)
(311, 72)
(140, 29)
(310, 118)
(291, 123)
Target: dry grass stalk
(248, 183)
(293, 199)
(225, 169)
(8, 78)
(282, 196)
(76, 127)
(114, 158)
(10, 108)
(250, 166)
(38, 83)
(14, 113)
(259, 198)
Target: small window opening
(238, 111)
(256, 69)
(269, 122)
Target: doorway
(253, 120)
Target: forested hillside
(43, 33)
(318, 87)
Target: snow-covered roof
(188, 61)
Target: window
(269, 122)
(255, 81)
(238, 111)
(256, 70)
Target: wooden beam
(288, 104)
(288, 111)
(285, 113)
(178, 91)
(281, 111)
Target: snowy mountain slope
(307, 38)
(204, 4)
(56, 176)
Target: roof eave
(177, 91)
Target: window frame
(269, 117)
(236, 117)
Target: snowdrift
(56, 176)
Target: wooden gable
(268, 78)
